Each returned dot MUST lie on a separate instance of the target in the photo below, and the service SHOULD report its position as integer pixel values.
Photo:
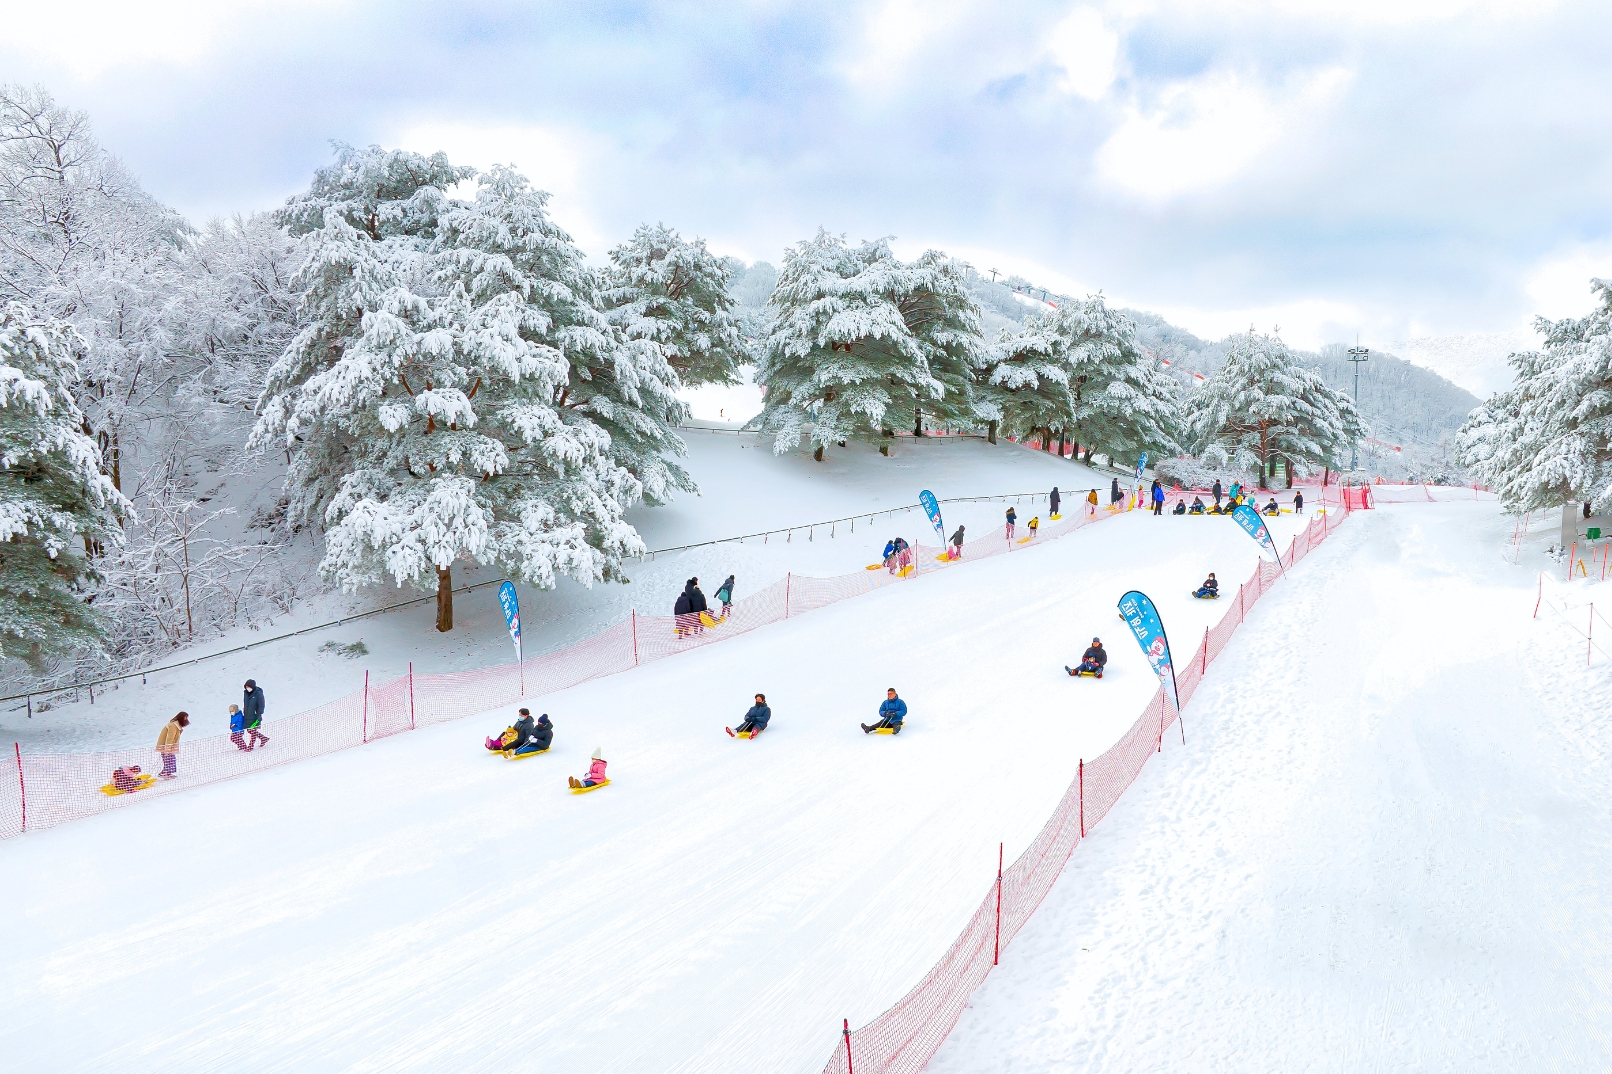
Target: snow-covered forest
(410, 366)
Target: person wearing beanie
(252, 714)
(1091, 661)
(596, 772)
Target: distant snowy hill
(1475, 360)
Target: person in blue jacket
(756, 720)
(891, 714)
(1158, 497)
(237, 727)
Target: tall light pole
(1357, 354)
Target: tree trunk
(444, 599)
(1287, 465)
(990, 432)
(1046, 440)
(818, 454)
(1063, 442)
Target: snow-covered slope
(745, 488)
(1384, 847)
(1476, 360)
(418, 905)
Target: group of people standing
(245, 719)
(691, 605)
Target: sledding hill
(418, 905)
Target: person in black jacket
(724, 594)
(1091, 660)
(1114, 494)
(756, 720)
(1217, 492)
(1210, 587)
(680, 612)
(523, 734)
(957, 544)
(1053, 501)
(696, 605)
(252, 714)
(542, 733)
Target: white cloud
(1088, 52)
(894, 33)
(1307, 323)
(1559, 286)
(1358, 12)
(1205, 131)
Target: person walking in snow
(596, 772)
(168, 744)
(1053, 501)
(892, 713)
(957, 543)
(252, 711)
(1012, 517)
(696, 605)
(541, 734)
(755, 721)
(1158, 497)
(724, 593)
(1035, 524)
(237, 727)
(1217, 492)
(1298, 501)
(1091, 504)
(1114, 494)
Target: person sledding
(1271, 508)
(1091, 661)
(1197, 507)
(724, 593)
(1210, 588)
(515, 736)
(892, 713)
(1180, 508)
(755, 721)
(596, 773)
(127, 779)
(541, 738)
(1012, 517)
(903, 554)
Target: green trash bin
(1595, 533)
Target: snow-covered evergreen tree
(457, 395)
(1262, 405)
(860, 339)
(673, 292)
(55, 503)
(1548, 440)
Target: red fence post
(849, 1069)
(1205, 669)
(788, 583)
(1083, 797)
(21, 784)
(996, 956)
(366, 707)
(635, 637)
(1540, 595)
(411, 695)
(1589, 639)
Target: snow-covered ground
(417, 905)
(744, 489)
(1384, 847)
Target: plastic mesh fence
(904, 1038)
(42, 790)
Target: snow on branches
(55, 504)
(860, 339)
(1263, 404)
(1548, 440)
(674, 292)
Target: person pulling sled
(755, 721)
(892, 713)
(1091, 661)
(1209, 590)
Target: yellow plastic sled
(873, 566)
(511, 755)
(744, 734)
(1056, 517)
(141, 782)
(705, 618)
(908, 569)
(1023, 540)
(884, 730)
(596, 786)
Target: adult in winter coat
(1012, 517)
(1210, 587)
(1218, 492)
(1114, 494)
(696, 605)
(903, 554)
(1092, 659)
(1158, 497)
(1053, 501)
(523, 731)
(680, 612)
(168, 744)
(1298, 502)
(542, 734)
(252, 710)
(892, 713)
(957, 543)
(757, 718)
(596, 772)
(724, 593)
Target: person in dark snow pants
(1197, 506)
(757, 718)
(1114, 494)
(891, 714)
(523, 734)
(1271, 508)
(1298, 502)
(542, 734)
(696, 605)
(681, 615)
(1158, 497)
(1092, 659)
(252, 710)
(1180, 507)
(1210, 587)
(1012, 517)
(724, 593)
(890, 556)
(1218, 492)
(1053, 501)
(957, 543)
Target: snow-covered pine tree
(1262, 405)
(1025, 388)
(55, 504)
(674, 293)
(860, 339)
(1548, 440)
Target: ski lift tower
(1357, 354)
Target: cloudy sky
(1395, 168)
